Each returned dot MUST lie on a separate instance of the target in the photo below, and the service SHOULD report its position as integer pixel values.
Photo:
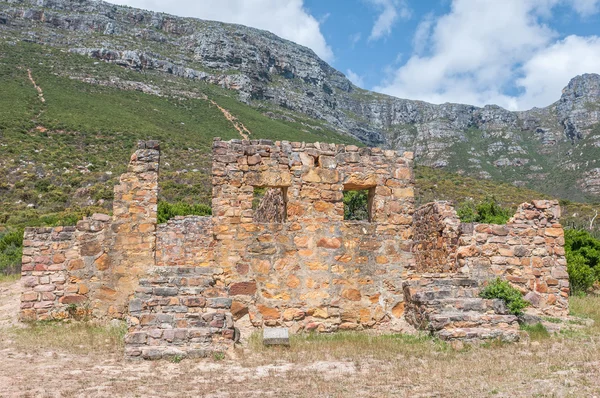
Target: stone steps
(471, 319)
(451, 309)
(465, 304)
(479, 334)
(178, 311)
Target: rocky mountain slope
(555, 149)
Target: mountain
(555, 150)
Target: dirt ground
(73, 360)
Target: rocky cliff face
(555, 149)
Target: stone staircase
(179, 312)
(451, 309)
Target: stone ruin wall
(314, 271)
(185, 284)
(91, 270)
(528, 251)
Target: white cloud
(423, 33)
(391, 11)
(548, 71)
(355, 38)
(480, 48)
(586, 7)
(288, 19)
(355, 78)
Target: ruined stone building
(192, 285)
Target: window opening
(269, 204)
(358, 204)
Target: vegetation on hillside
(69, 150)
(488, 211)
(167, 210)
(583, 259)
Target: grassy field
(75, 360)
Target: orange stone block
(317, 265)
(293, 282)
(398, 310)
(330, 243)
(268, 312)
(352, 294)
(554, 232)
(102, 263)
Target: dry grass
(9, 278)
(74, 338)
(78, 360)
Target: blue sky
(514, 53)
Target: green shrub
(488, 211)
(499, 289)
(167, 210)
(582, 251)
(356, 205)
(467, 211)
(11, 251)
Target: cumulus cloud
(481, 50)
(356, 79)
(422, 33)
(547, 72)
(586, 7)
(288, 19)
(391, 11)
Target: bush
(11, 251)
(499, 289)
(167, 210)
(356, 205)
(487, 211)
(583, 259)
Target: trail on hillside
(244, 132)
(38, 88)
(239, 126)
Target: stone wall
(294, 261)
(134, 223)
(92, 269)
(68, 267)
(436, 234)
(185, 241)
(314, 271)
(528, 251)
(46, 254)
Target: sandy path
(9, 304)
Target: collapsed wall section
(528, 251)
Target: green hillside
(66, 153)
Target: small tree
(583, 259)
(487, 211)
